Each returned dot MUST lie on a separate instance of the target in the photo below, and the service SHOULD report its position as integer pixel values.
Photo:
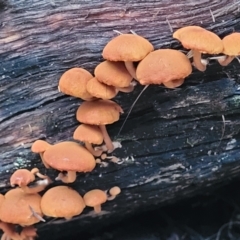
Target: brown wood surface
(182, 141)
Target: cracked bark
(183, 142)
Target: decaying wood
(176, 143)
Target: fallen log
(175, 144)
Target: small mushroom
(23, 177)
(101, 90)
(89, 134)
(71, 157)
(231, 48)
(199, 40)
(114, 191)
(62, 201)
(128, 48)
(114, 74)
(95, 198)
(165, 66)
(101, 113)
(73, 82)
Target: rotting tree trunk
(182, 141)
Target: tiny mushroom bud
(95, 198)
(231, 48)
(114, 191)
(199, 40)
(100, 112)
(165, 66)
(62, 201)
(74, 81)
(101, 90)
(114, 74)
(89, 134)
(128, 48)
(71, 157)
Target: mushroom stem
(106, 138)
(9, 231)
(67, 178)
(197, 61)
(94, 152)
(227, 59)
(174, 83)
(131, 69)
(97, 208)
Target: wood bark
(176, 143)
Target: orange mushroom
(62, 201)
(114, 74)
(18, 207)
(165, 66)
(22, 209)
(89, 134)
(128, 48)
(23, 177)
(74, 81)
(100, 112)
(95, 198)
(199, 40)
(231, 48)
(101, 90)
(71, 157)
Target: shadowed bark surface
(182, 142)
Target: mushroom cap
(163, 65)
(88, 133)
(100, 90)
(127, 47)
(95, 197)
(114, 191)
(21, 177)
(99, 112)
(69, 156)
(73, 82)
(16, 207)
(198, 38)
(113, 73)
(231, 44)
(62, 201)
(39, 146)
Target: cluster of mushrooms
(24, 206)
(127, 57)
